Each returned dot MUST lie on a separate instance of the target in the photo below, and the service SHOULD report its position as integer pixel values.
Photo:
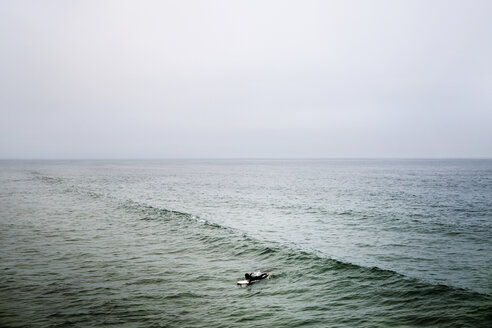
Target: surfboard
(243, 282)
(246, 282)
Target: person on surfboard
(255, 276)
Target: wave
(226, 239)
(45, 178)
(243, 244)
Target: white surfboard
(243, 282)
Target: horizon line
(234, 158)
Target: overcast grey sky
(187, 79)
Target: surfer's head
(247, 276)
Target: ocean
(161, 243)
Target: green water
(77, 250)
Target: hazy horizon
(245, 80)
(117, 159)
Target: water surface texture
(162, 243)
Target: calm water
(162, 243)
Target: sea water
(162, 243)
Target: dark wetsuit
(249, 277)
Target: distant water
(162, 243)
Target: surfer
(255, 276)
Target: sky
(245, 79)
